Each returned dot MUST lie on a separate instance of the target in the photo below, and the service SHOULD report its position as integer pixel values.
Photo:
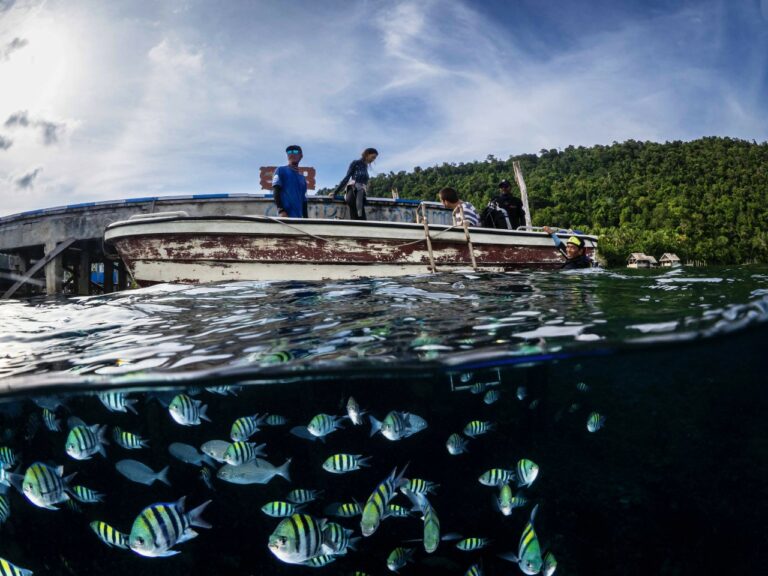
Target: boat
(178, 248)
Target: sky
(104, 100)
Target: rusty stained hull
(268, 251)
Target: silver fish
(216, 449)
(189, 454)
(257, 471)
(141, 473)
(354, 412)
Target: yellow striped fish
(109, 535)
(529, 552)
(376, 505)
(341, 463)
(161, 526)
(8, 569)
(298, 539)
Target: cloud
(50, 131)
(5, 143)
(6, 5)
(18, 119)
(12, 46)
(28, 180)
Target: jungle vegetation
(705, 200)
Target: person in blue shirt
(575, 251)
(289, 187)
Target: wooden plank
(39, 265)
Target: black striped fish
(337, 538)
(117, 402)
(419, 486)
(128, 440)
(528, 556)
(280, 509)
(241, 452)
(323, 424)
(478, 427)
(398, 425)
(496, 477)
(344, 509)
(595, 422)
(472, 543)
(85, 441)
(456, 444)
(187, 411)
(320, 561)
(245, 427)
(7, 457)
(44, 486)
(302, 495)
(86, 495)
(5, 509)
(8, 569)
(275, 420)
(527, 472)
(50, 420)
(398, 558)
(298, 539)
(341, 463)
(161, 526)
(109, 535)
(376, 505)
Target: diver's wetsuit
(582, 261)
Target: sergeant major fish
(109, 535)
(398, 425)
(298, 538)
(128, 440)
(43, 485)
(9, 569)
(456, 444)
(245, 427)
(323, 424)
(241, 452)
(187, 411)
(595, 422)
(376, 505)
(117, 402)
(85, 441)
(161, 526)
(342, 463)
(528, 556)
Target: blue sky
(104, 100)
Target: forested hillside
(704, 200)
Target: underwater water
(628, 408)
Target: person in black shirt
(575, 251)
(356, 184)
(512, 204)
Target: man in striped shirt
(450, 199)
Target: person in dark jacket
(512, 204)
(575, 251)
(356, 184)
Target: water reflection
(172, 329)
